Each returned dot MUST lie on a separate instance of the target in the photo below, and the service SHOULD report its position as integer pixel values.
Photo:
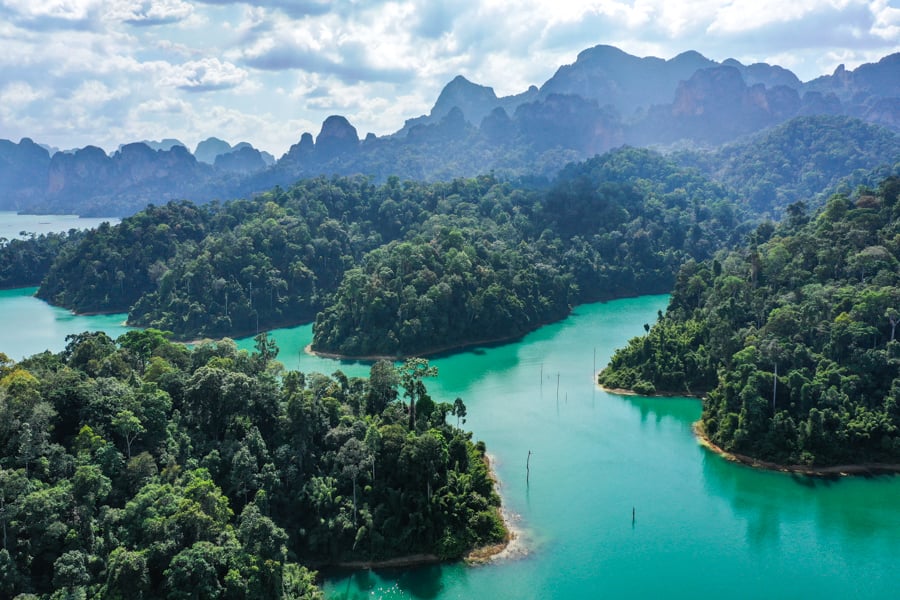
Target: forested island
(403, 268)
(139, 468)
(25, 262)
(407, 268)
(791, 338)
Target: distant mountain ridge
(605, 99)
(633, 85)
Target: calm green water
(703, 527)
(29, 325)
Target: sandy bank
(812, 471)
(658, 394)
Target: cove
(703, 527)
(29, 326)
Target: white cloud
(743, 15)
(887, 20)
(132, 67)
(94, 92)
(204, 75)
(18, 94)
(148, 12)
(68, 10)
(166, 106)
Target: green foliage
(494, 263)
(793, 337)
(401, 268)
(24, 262)
(218, 478)
(806, 158)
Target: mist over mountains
(605, 99)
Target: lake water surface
(703, 527)
(13, 224)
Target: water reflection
(419, 583)
(423, 582)
(845, 509)
(682, 409)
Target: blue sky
(106, 72)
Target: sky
(108, 72)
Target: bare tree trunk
(354, 500)
(774, 387)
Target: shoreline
(235, 335)
(430, 352)
(863, 469)
(810, 471)
(511, 547)
(658, 394)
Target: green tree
(127, 425)
(411, 374)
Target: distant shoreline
(811, 471)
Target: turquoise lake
(703, 527)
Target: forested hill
(793, 337)
(500, 265)
(807, 158)
(25, 262)
(137, 468)
(402, 268)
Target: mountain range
(605, 99)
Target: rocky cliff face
(76, 172)
(475, 102)
(337, 136)
(881, 80)
(301, 151)
(687, 99)
(766, 74)
(23, 172)
(611, 76)
(210, 148)
(570, 122)
(244, 160)
(886, 112)
(716, 105)
(133, 176)
(604, 99)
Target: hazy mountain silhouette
(604, 99)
